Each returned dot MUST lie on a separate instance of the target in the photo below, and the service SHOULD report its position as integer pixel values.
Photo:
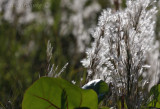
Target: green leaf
(155, 92)
(46, 93)
(99, 86)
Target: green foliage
(155, 92)
(38, 5)
(23, 55)
(64, 100)
(119, 104)
(104, 108)
(104, 3)
(56, 92)
(101, 88)
(123, 3)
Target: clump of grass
(118, 54)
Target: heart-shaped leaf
(46, 93)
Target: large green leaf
(46, 93)
(155, 92)
(99, 86)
